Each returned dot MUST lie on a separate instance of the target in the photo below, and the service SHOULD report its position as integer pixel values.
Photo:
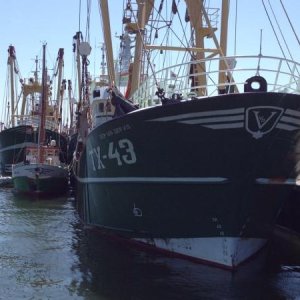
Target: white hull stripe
(292, 112)
(18, 146)
(201, 114)
(289, 116)
(225, 125)
(230, 118)
(213, 120)
(290, 120)
(276, 181)
(287, 127)
(184, 180)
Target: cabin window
(108, 107)
(96, 93)
(101, 107)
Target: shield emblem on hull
(261, 120)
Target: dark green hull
(213, 168)
(183, 210)
(14, 140)
(46, 182)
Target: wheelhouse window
(108, 107)
(101, 107)
(96, 93)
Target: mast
(223, 41)
(71, 102)
(144, 11)
(61, 86)
(60, 59)
(60, 115)
(196, 10)
(103, 5)
(42, 134)
(12, 64)
(78, 60)
(32, 87)
(103, 59)
(201, 31)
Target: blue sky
(27, 24)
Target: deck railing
(282, 75)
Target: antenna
(260, 53)
(103, 63)
(260, 43)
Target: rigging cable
(279, 44)
(5, 109)
(235, 25)
(184, 31)
(154, 25)
(276, 36)
(290, 22)
(159, 17)
(88, 9)
(175, 34)
(79, 16)
(120, 62)
(282, 35)
(143, 44)
(185, 38)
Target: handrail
(282, 75)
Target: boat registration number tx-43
(121, 152)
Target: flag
(173, 75)
(231, 62)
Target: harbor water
(46, 253)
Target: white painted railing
(282, 75)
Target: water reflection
(46, 253)
(115, 270)
(37, 256)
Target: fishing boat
(41, 173)
(199, 157)
(20, 127)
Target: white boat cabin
(102, 109)
(49, 154)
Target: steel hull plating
(39, 179)
(183, 176)
(233, 250)
(13, 142)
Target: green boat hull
(218, 168)
(13, 142)
(39, 180)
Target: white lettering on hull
(121, 152)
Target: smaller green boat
(42, 173)
(47, 177)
